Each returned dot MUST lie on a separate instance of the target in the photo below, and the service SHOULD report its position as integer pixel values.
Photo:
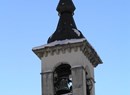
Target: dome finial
(65, 6)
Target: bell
(61, 79)
(62, 86)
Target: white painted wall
(74, 58)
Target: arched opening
(62, 79)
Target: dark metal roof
(66, 28)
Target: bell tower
(67, 60)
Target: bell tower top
(66, 28)
(67, 60)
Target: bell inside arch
(62, 81)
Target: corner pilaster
(79, 80)
(47, 83)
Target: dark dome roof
(66, 28)
(65, 34)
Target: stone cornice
(83, 46)
(57, 49)
(91, 54)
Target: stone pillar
(47, 83)
(79, 80)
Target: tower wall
(78, 62)
(74, 58)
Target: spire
(66, 28)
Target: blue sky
(28, 23)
